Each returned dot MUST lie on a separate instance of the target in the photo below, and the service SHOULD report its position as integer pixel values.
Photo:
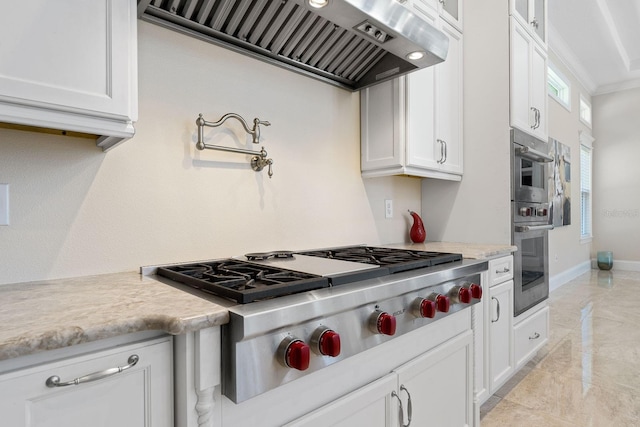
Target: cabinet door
(449, 102)
(440, 385)
(539, 89)
(382, 126)
(138, 396)
(501, 357)
(71, 66)
(420, 118)
(74, 55)
(519, 78)
(451, 11)
(532, 14)
(370, 406)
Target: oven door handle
(525, 228)
(535, 155)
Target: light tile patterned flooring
(589, 372)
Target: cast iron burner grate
(241, 281)
(395, 260)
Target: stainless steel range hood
(350, 43)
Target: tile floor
(589, 372)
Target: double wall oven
(530, 215)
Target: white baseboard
(566, 276)
(620, 265)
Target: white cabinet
(528, 83)
(413, 125)
(433, 389)
(70, 66)
(371, 406)
(501, 359)
(450, 10)
(440, 384)
(140, 395)
(531, 332)
(532, 14)
(493, 329)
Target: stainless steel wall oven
(530, 219)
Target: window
(585, 111)
(586, 142)
(558, 86)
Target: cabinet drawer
(500, 270)
(530, 335)
(140, 395)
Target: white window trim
(587, 103)
(561, 80)
(587, 140)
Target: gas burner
(241, 281)
(395, 260)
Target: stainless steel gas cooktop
(260, 276)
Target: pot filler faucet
(258, 162)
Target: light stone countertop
(468, 250)
(52, 314)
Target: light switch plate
(4, 204)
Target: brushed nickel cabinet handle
(497, 310)
(54, 381)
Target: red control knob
(460, 294)
(476, 291)
(383, 323)
(294, 353)
(326, 342)
(442, 303)
(464, 295)
(425, 308)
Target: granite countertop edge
(52, 314)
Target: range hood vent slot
(353, 43)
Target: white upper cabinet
(70, 66)
(450, 10)
(412, 125)
(528, 83)
(532, 14)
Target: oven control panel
(530, 212)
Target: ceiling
(599, 40)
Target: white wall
(566, 251)
(156, 199)
(478, 208)
(616, 176)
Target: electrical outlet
(4, 204)
(388, 209)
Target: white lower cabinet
(530, 333)
(501, 360)
(434, 389)
(493, 332)
(126, 386)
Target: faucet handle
(270, 170)
(257, 122)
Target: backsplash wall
(156, 199)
